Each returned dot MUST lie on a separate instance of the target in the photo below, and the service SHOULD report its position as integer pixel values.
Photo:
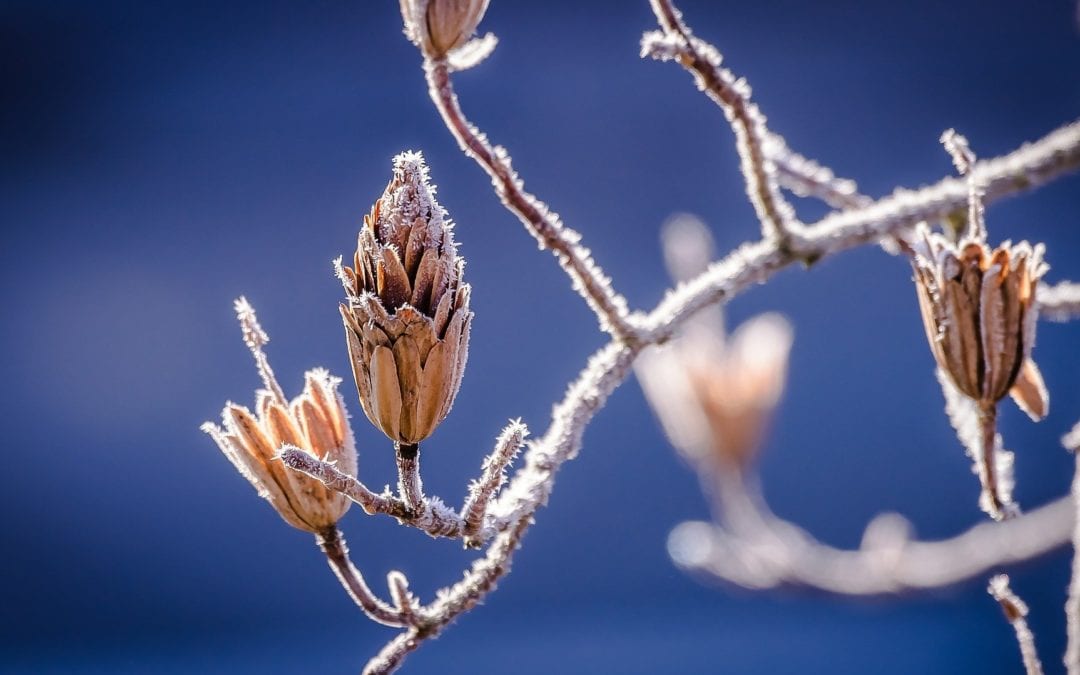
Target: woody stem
(410, 487)
(987, 468)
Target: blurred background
(160, 159)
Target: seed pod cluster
(407, 318)
(979, 310)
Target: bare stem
(337, 554)
(541, 222)
(410, 486)
(1015, 613)
(703, 61)
(987, 462)
(1072, 606)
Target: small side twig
(481, 492)
(703, 61)
(1016, 611)
(435, 519)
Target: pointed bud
(438, 27)
(407, 320)
(979, 311)
(315, 422)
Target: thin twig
(807, 178)
(732, 94)
(482, 491)
(543, 223)
(435, 519)
(337, 554)
(1016, 611)
(1072, 605)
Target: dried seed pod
(315, 421)
(407, 319)
(714, 398)
(979, 310)
(438, 27)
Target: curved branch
(774, 552)
(337, 554)
(541, 222)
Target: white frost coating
(964, 416)
(1060, 302)
(1016, 611)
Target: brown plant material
(714, 398)
(978, 307)
(407, 319)
(315, 422)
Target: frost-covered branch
(544, 224)
(483, 490)
(1029, 166)
(756, 549)
(1060, 302)
(675, 42)
(1016, 611)
(337, 554)
(433, 517)
(807, 178)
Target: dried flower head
(315, 422)
(438, 27)
(714, 399)
(979, 310)
(407, 319)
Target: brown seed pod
(979, 311)
(407, 318)
(315, 422)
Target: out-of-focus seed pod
(715, 398)
(438, 27)
(978, 307)
(407, 319)
(315, 422)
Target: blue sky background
(160, 159)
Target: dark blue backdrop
(159, 159)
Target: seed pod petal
(386, 392)
(435, 386)
(407, 359)
(1029, 391)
